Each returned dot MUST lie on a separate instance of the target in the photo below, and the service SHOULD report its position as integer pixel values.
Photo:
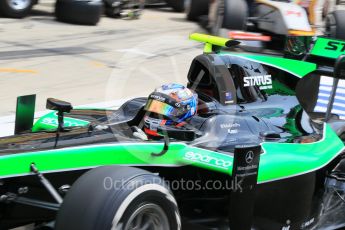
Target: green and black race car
(259, 154)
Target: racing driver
(169, 105)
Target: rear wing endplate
(328, 48)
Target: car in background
(263, 23)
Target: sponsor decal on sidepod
(206, 159)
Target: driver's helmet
(169, 105)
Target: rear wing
(328, 48)
(213, 43)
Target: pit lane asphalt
(91, 64)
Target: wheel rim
(148, 217)
(18, 4)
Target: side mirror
(60, 106)
(339, 68)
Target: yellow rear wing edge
(212, 42)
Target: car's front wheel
(109, 198)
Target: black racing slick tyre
(177, 5)
(121, 198)
(235, 14)
(335, 24)
(85, 12)
(15, 8)
(196, 8)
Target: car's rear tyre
(177, 5)
(85, 12)
(235, 14)
(115, 197)
(335, 24)
(196, 8)
(15, 8)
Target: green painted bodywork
(107, 154)
(322, 48)
(295, 67)
(279, 160)
(50, 122)
(285, 159)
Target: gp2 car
(262, 23)
(259, 154)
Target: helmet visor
(162, 108)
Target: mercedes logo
(249, 157)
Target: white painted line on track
(137, 51)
